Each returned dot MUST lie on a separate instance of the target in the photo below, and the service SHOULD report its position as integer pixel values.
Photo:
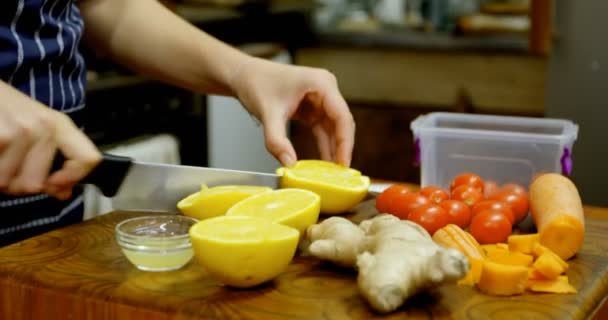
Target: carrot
(557, 210)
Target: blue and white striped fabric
(39, 56)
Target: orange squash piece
(502, 280)
(502, 246)
(538, 249)
(523, 243)
(452, 236)
(550, 265)
(536, 275)
(510, 258)
(489, 249)
(559, 285)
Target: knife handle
(108, 175)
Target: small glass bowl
(156, 243)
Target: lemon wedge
(243, 251)
(297, 208)
(341, 188)
(213, 202)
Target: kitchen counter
(79, 273)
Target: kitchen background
(394, 60)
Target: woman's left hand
(275, 93)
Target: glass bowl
(156, 243)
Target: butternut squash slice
(502, 280)
(452, 236)
(523, 243)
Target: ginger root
(395, 258)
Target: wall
(578, 90)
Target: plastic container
(498, 148)
(156, 243)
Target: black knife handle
(108, 175)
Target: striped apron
(39, 56)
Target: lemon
(243, 251)
(212, 202)
(297, 208)
(341, 188)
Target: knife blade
(141, 186)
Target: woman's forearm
(148, 38)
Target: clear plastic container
(498, 148)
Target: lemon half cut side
(297, 208)
(340, 188)
(242, 251)
(215, 201)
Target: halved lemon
(213, 202)
(243, 251)
(297, 208)
(341, 188)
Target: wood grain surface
(79, 273)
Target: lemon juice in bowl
(156, 243)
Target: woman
(42, 95)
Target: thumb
(277, 143)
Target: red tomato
(434, 193)
(484, 205)
(518, 203)
(514, 188)
(430, 216)
(489, 188)
(469, 179)
(407, 203)
(387, 197)
(458, 212)
(490, 226)
(467, 194)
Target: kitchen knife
(141, 186)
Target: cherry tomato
(490, 226)
(467, 194)
(430, 216)
(407, 203)
(489, 188)
(389, 195)
(469, 179)
(434, 193)
(518, 203)
(458, 212)
(514, 188)
(484, 205)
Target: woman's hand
(30, 136)
(275, 93)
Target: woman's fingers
(342, 125)
(80, 153)
(35, 167)
(323, 142)
(277, 143)
(15, 143)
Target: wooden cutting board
(79, 273)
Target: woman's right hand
(30, 136)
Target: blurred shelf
(202, 13)
(412, 39)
